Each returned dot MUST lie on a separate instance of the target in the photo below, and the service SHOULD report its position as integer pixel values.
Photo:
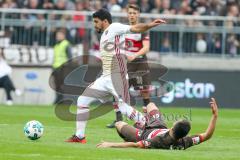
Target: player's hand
(131, 58)
(214, 107)
(104, 145)
(157, 22)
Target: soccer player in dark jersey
(157, 135)
(137, 45)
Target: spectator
(79, 33)
(145, 6)
(113, 6)
(200, 6)
(201, 44)
(233, 11)
(232, 45)
(47, 4)
(217, 45)
(185, 9)
(97, 5)
(157, 6)
(215, 8)
(166, 7)
(166, 47)
(60, 5)
(123, 3)
(9, 4)
(87, 6)
(35, 35)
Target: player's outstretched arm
(118, 145)
(212, 124)
(143, 27)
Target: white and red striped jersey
(112, 45)
(157, 132)
(134, 42)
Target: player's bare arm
(212, 124)
(197, 139)
(143, 27)
(141, 52)
(119, 145)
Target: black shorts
(155, 120)
(130, 134)
(139, 74)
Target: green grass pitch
(225, 143)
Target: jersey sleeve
(120, 28)
(187, 142)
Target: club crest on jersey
(106, 32)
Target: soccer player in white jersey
(137, 46)
(113, 81)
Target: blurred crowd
(212, 42)
(187, 7)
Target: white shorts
(104, 88)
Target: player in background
(6, 81)
(113, 81)
(157, 135)
(62, 53)
(137, 45)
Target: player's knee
(119, 125)
(80, 101)
(151, 106)
(83, 101)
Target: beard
(98, 30)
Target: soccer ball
(33, 130)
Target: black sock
(146, 101)
(119, 116)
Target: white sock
(82, 117)
(131, 113)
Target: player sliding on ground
(157, 135)
(113, 80)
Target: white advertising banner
(33, 82)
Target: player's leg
(151, 107)
(8, 87)
(118, 87)
(155, 117)
(58, 81)
(146, 82)
(81, 119)
(118, 113)
(94, 92)
(115, 105)
(127, 132)
(132, 113)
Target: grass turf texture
(225, 143)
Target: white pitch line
(21, 155)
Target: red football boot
(75, 139)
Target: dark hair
(181, 129)
(61, 30)
(103, 14)
(133, 6)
